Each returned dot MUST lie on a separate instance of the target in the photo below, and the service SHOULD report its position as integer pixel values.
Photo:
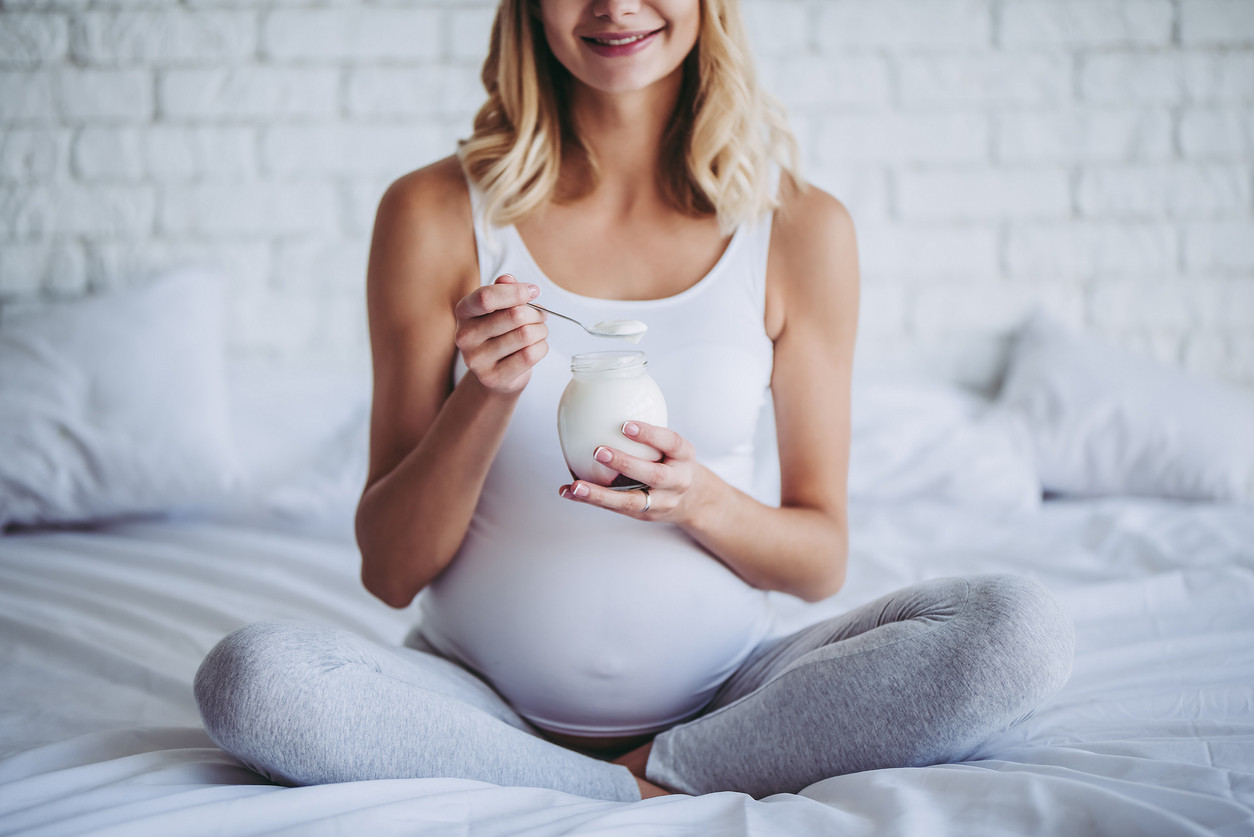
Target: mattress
(1154, 734)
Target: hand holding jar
(499, 335)
(611, 422)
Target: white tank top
(587, 622)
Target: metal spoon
(631, 330)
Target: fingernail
(533, 291)
(581, 491)
(631, 428)
(602, 454)
(563, 491)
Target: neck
(624, 132)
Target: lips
(619, 43)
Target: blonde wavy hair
(716, 154)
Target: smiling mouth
(621, 40)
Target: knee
(1024, 626)
(239, 685)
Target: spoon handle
(555, 314)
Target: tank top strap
(758, 246)
(488, 245)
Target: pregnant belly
(604, 636)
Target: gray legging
(921, 676)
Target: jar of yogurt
(606, 390)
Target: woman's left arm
(812, 315)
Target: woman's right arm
(431, 443)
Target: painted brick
(117, 263)
(360, 148)
(1163, 345)
(882, 308)
(984, 194)
(105, 94)
(971, 359)
(898, 136)
(322, 263)
(31, 40)
(1216, 22)
(257, 4)
(1219, 77)
(28, 96)
(1091, 250)
(1240, 360)
(1085, 135)
(990, 78)
(1225, 134)
(361, 201)
(1148, 303)
(44, 210)
(1173, 192)
(28, 155)
(1167, 78)
(393, 91)
(469, 33)
(1204, 353)
(918, 253)
(1123, 78)
(1219, 247)
(990, 306)
(862, 189)
(43, 5)
(163, 37)
(75, 95)
(1086, 23)
(905, 23)
(360, 33)
(777, 27)
(164, 152)
(48, 268)
(254, 92)
(809, 81)
(255, 209)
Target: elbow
(825, 584)
(378, 574)
(828, 577)
(390, 593)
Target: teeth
(619, 41)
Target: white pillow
(1106, 421)
(916, 440)
(927, 440)
(115, 405)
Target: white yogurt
(606, 390)
(631, 330)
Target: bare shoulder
(810, 222)
(435, 196)
(812, 269)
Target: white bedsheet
(1154, 734)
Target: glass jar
(606, 390)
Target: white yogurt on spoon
(631, 330)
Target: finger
(499, 349)
(671, 444)
(625, 502)
(647, 471)
(486, 327)
(506, 292)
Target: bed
(1124, 486)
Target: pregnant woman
(619, 644)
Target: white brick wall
(1093, 157)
